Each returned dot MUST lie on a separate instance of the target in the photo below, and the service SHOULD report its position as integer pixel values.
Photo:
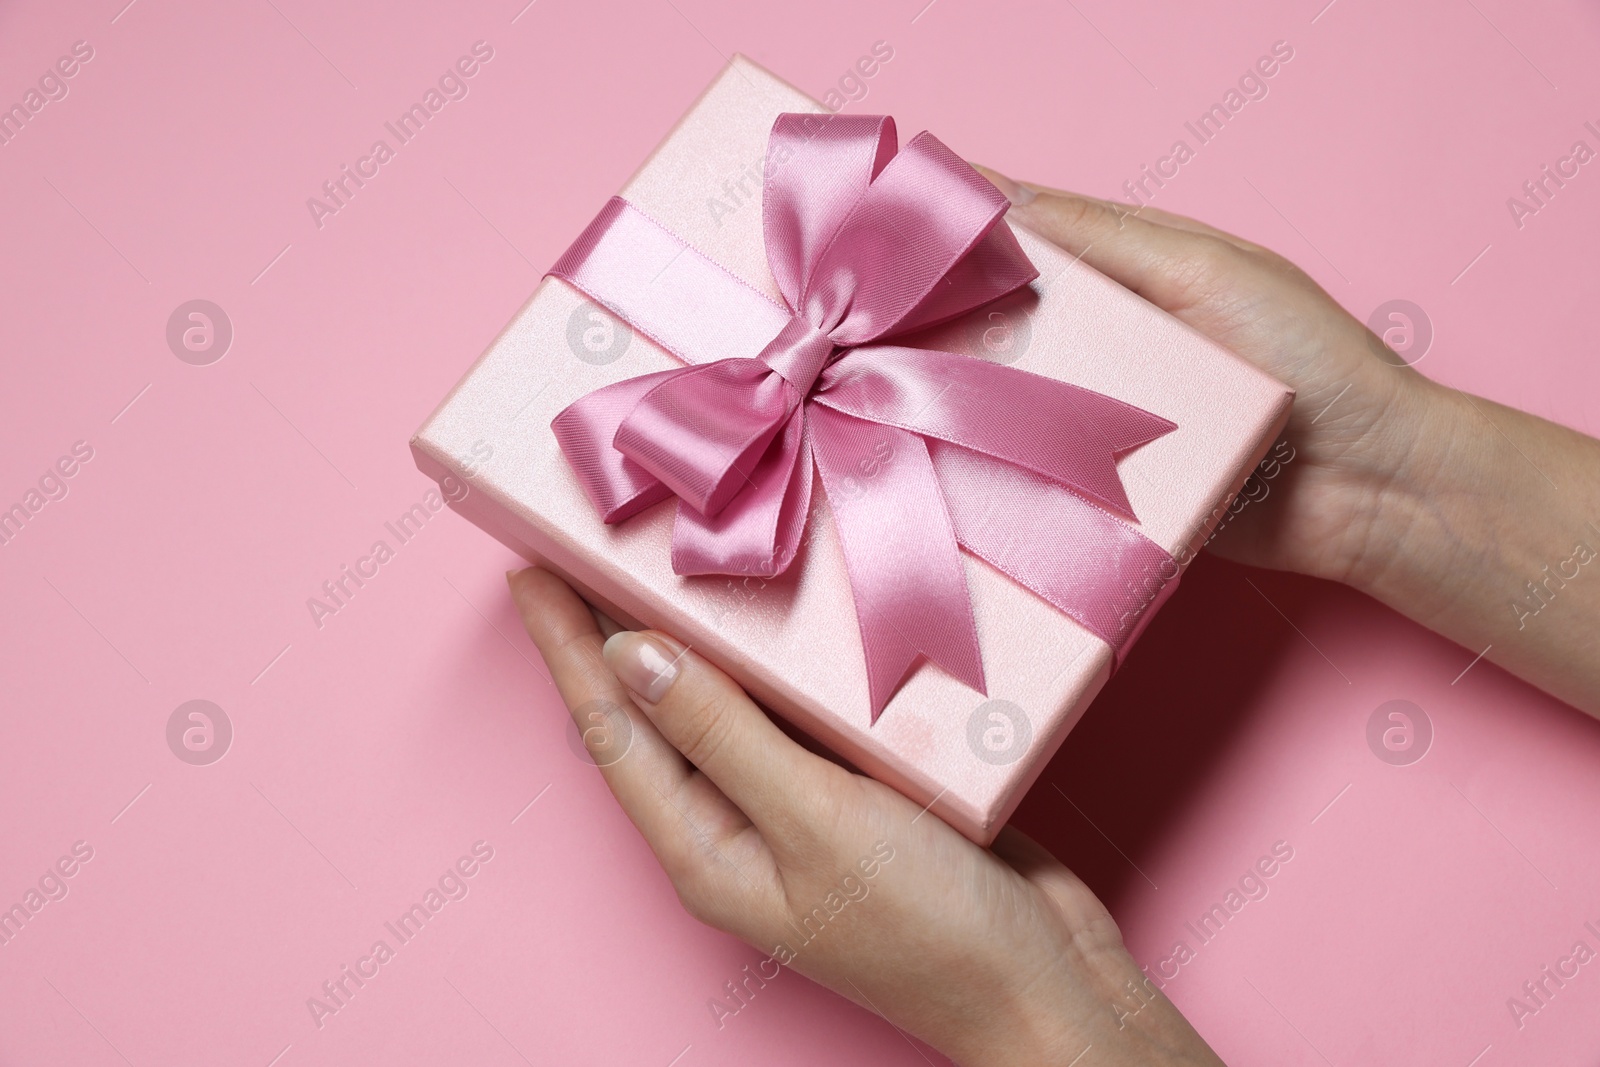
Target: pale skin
(1440, 505)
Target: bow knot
(916, 448)
(799, 354)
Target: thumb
(1161, 263)
(1073, 900)
(706, 716)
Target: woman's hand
(1474, 519)
(995, 956)
(1356, 415)
(1441, 505)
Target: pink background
(372, 752)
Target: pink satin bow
(919, 451)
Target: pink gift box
(792, 641)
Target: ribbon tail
(900, 550)
(1086, 562)
(1070, 435)
(618, 487)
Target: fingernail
(1017, 194)
(645, 665)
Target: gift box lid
(792, 640)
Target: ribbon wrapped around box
(1016, 456)
(919, 450)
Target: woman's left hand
(992, 956)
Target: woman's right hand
(1355, 417)
(1474, 519)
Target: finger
(606, 624)
(1031, 191)
(1021, 193)
(707, 717)
(1157, 261)
(649, 777)
(1177, 222)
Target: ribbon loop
(915, 222)
(758, 533)
(702, 430)
(921, 453)
(819, 165)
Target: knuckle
(1279, 265)
(706, 726)
(826, 812)
(696, 901)
(1208, 261)
(710, 897)
(585, 677)
(1214, 254)
(565, 635)
(1079, 213)
(1289, 270)
(822, 816)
